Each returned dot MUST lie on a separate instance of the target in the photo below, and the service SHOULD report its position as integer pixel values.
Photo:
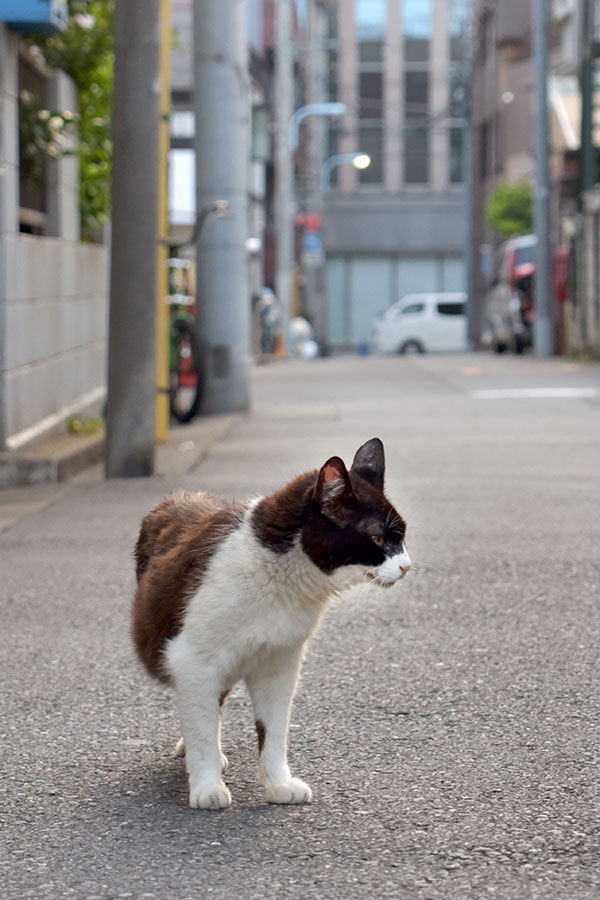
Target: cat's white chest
(252, 598)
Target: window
(33, 162)
(417, 22)
(260, 146)
(370, 140)
(416, 94)
(456, 154)
(484, 150)
(370, 95)
(458, 27)
(412, 309)
(458, 93)
(525, 255)
(416, 156)
(370, 29)
(451, 309)
(417, 25)
(370, 16)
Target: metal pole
(4, 225)
(222, 105)
(543, 336)
(162, 277)
(132, 327)
(317, 72)
(284, 188)
(587, 176)
(473, 309)
(588, 166)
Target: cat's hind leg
(198, 689)
(271, 685)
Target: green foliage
(77, 425)
(510, 208)
(85, 51)
(43, 134)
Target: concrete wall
(56, 330)
(53, 289)
(409, 222)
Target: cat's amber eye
(377, 540)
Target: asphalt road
(449, 727)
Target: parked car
(517, 259)
(422, 323)
(509, 301)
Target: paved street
(449, 727)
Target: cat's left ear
(334, 490)
(369, 463)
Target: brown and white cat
(228, 592)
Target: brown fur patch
(176, 543)
(278, 518)
(224, 697)
(261, 733)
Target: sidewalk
(31, 479)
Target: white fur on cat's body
(250, 619)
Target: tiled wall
(53, 290)
(56, 327)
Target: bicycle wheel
(185, 391)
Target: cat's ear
(369, 462)
(333, 489)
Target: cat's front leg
(180, 752)
(271, 686)
(198, 689)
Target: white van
(422, 323)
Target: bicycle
(186, 370)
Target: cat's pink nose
(404, 569)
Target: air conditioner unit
(35, 15)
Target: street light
(311, 109)
(359, 161)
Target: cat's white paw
(224, 763)
(210, 796)
(292, 791)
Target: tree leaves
(510, 208)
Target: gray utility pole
(317, 126)
(222, 105)
(473, 307)
(130, 437)
(4, 225)
(284, 186)
(468, 172)
(543, 332)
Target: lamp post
(359, 161)
(311, 109)
(284, 198)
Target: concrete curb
(55, 459)
(63, 456)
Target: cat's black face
(351, 522)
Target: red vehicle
(518, 259)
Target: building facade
(398, 226)
(503, 119)
(53, 287)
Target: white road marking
(545, 393)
